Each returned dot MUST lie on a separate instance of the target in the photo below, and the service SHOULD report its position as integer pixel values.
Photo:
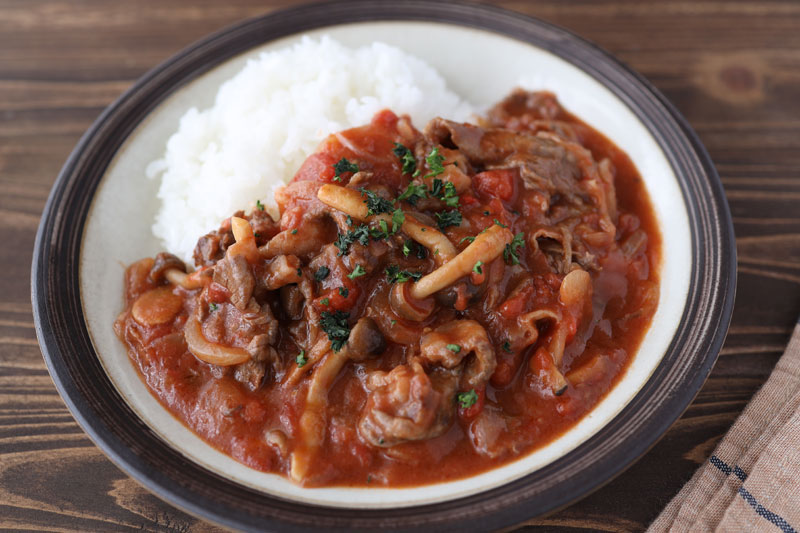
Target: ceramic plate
(98, 219)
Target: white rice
(269, 117)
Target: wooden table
(732, 68)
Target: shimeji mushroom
(365, 341)
(352, 202)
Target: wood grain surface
(732, 68)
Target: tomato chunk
(496, 183)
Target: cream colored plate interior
(482, 67)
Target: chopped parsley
(301, 359)
(259, 205)
(395, 275)
(500, 223)
(334, 324)
(398, 217)
(445, 191)
(467, 399)
(434, 160)
(468, 239)
(381, 232)
(344, 291)
(375, 203)
(299, 272)
(413, 193)
(212, 307)
(325, 301)
(394, 322)
(322, 273)
(294, 231)
(358, 271)
(436, 188)
(406, 158)
(455, 348)
(410, 246)
(478, 268)
(342, 166)
(345, 240)
(511, 251)
(507, 347)
(446, 219)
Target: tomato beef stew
(427, 306)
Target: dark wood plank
(730, 67)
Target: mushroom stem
(346, 200)
(313, 422)
(195, 280)
(211, 352)
(431, 238)
(245, 240)
(486, 247)
(407, 307)
(351, 202)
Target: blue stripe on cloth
(719, 463)
(782, 524)
(762, 511)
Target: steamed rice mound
(272, 115)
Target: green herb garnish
(342, 166)
(358, 271)
(445, 219)
(322, 273)
(467, 399)
(301, 359)
(511, 251)
(500, 223)
(212, 307)
(406, 158)
(344, 291)
(375, 203)
(395, 275)
(455, 348)
(325, 301)
(413, 193)
(434, 160)
(398, 217)
(478, 267)
(343, 242)
(381, 232)
(334, 324)
(507, 347)
(445, 191)
(259, 205)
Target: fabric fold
(752, 480)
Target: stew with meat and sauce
(429, 305)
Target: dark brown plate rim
(132, 445)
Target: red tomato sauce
(399, 411)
